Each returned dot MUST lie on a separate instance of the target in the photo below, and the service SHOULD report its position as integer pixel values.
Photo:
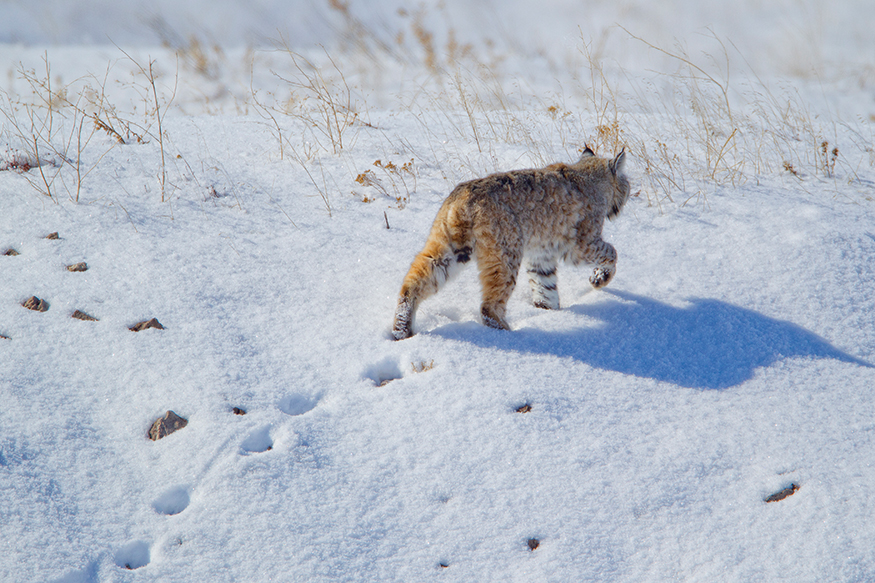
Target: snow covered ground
(732, 357)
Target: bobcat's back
(545, 205)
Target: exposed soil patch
(76, 267)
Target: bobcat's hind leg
(498, 272)
(430, 270)
(542, 279)
(402, 326)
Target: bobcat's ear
(587, 152)
(616, 165)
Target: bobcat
(542, 215)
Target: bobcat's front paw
(601, 276)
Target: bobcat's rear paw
(601, 276)
(401, 332)
(402, 325)
(492, 319)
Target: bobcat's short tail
(449, 247)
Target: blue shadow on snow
(709, 344)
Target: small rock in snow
(166, 425)
(140, 326)
(36, 304)
(788, 491)
(79, 315)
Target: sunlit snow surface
(731, 356)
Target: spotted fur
(536, 216)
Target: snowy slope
(732, 356)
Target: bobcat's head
(619, 182)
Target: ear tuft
(587, 152)
(618, 163)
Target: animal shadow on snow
(708, 344)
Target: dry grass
(391, 180)
(50, 131)
(717, 127)
(156, 109)
(703, 123)
(327, 105)
(422, 366)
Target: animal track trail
(172, 501)
(384, 372)
(390, 369)
(262, 440)
(259, 441)
(298, 404)
(134, 555)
